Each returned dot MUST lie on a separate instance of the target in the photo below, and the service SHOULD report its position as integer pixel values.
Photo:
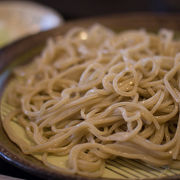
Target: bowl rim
(37, 13)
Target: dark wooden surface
(10, 170)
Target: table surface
(9, 170)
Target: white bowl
(21, 18)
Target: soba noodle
(94, 95)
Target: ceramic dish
(20, 18)
(25, 49)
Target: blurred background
(20, 18)
(72, 9)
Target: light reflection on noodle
(95, 94)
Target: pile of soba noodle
(94, 95)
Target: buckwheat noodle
(94, 94)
